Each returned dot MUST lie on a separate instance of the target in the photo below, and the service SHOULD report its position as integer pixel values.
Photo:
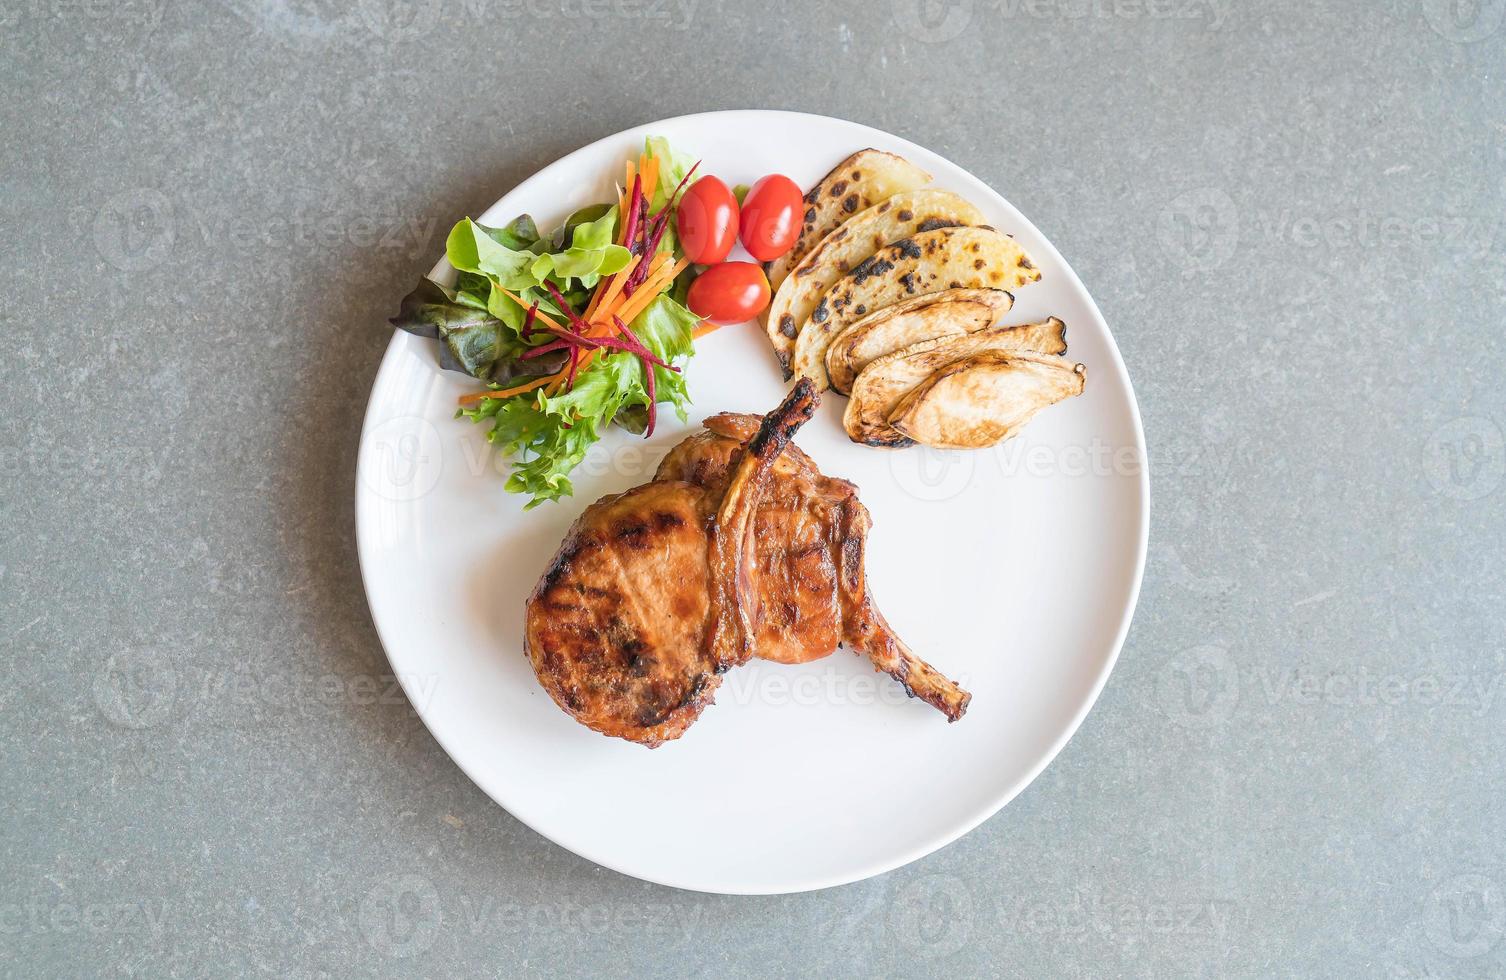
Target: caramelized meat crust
(809, 587)
(644, 606)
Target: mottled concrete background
(1290, 213)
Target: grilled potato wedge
(883, 384)
(982, 400)
(853, 241)
(856, 184)
(928, 317)
(948, 258)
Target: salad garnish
(591, 325)
(573, 331)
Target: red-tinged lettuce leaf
(430, 309)
(471, 341)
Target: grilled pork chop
(799, 619)
(647, 602)
(810, 588)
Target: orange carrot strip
(600, 311)
(650, 291)
(541, 315)
(606, 296)
(480, 396)
(655, 284)
(648, 168)
(706, 327)
(601, 288)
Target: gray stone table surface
(1290, 213)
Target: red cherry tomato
(729, 293)
(707, 221)
(771, 217)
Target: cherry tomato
(729, 293)
(707, 221)
(771, 217)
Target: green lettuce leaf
(550, 436)
(673, 166)
(519, 234)
(594, 234)
(561, 239)
(472, 289)
(477, 250)
(470, 249)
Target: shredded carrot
(656, 283)
(601, 288)
(481, 396)
(606, 295)
(706, 327)
(540, 315)
(648, 168)
(645, 294)
(608, 302)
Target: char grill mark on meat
(646, 603)
(810, 586)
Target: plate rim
(365, 532)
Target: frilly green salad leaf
(553, 435)
(486, 330)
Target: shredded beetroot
(670, 201)
(533, 314)
(653, 408)
(636, 346)
(543, 349)
(659, 221)
(577, 340)
(576, 320)
(649, 362)
(637, 205)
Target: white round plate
(1013, 570)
